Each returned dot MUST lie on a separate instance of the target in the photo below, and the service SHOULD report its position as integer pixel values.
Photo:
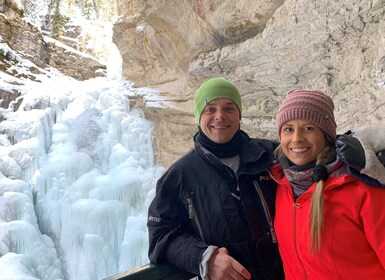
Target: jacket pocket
(193, 216)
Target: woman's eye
(287, 129)
(308, 128)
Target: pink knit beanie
(311, 105)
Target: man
(213, 210)
(212, 214)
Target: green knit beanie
(215, 88)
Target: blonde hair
(317, 201)
(316, 217)
(316, 214)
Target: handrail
(153, 272)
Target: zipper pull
(190, 208)
(272, 231)
(237, 193)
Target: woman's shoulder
(364, 178)
(355, 185)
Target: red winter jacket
(353, 236)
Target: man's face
(220, 120)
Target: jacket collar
(253, 157)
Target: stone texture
(73, 63)
(28, 42)
(157, 39)
(265, 47)
(25, 38)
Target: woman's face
(302, 141)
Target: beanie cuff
(311, 105)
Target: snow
(77, 174)
(64, 46)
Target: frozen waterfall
(77, 175)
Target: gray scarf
(301, 177)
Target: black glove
(381, 156)
(350, 151)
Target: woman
(329, 225)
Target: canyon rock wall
(25, 38)
(264, 47)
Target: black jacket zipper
(192, 215)
(267, 212)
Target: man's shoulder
(185, 160)
(261, 143)
(264, 143)
(181, 169)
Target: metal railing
(153, 272)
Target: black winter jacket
(196, 206)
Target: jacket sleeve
(372, 139)
(362, 152)
(373, 219)
(171, 238)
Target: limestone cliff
(265, 47)
(25, 38)
(28, 41)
